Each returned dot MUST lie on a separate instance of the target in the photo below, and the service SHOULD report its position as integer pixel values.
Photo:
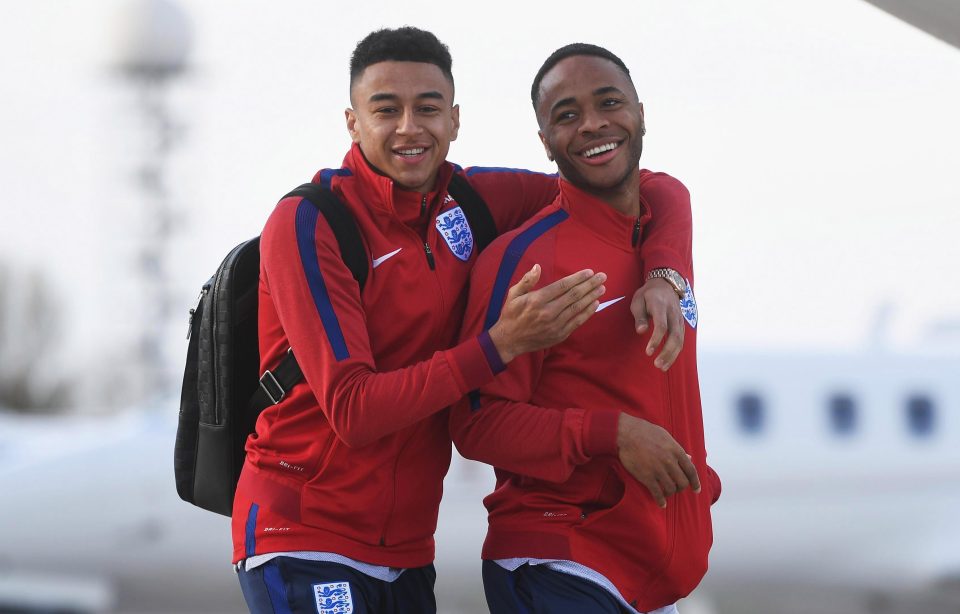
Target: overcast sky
(818, 140)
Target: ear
(455, 116)
(351, 117)
(546, 147)
(643, 125)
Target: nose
(592, 120)
(408, 123)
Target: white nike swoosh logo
(378, 261)
(606, 304)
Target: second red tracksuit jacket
(549, 422)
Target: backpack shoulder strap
(344, 228)
(476, 210)
(275, 383)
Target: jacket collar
(379, 191)
(602, 219)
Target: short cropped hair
(406, 44)
(568, 51)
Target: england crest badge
(333, 598)
(455, 230)
(688, 306)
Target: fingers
(671, 349)
(638, 307)
(526, 283)
(579, 319)
(656, 492)
(587, 304)
(659, 330)
(675, 479)
(561, 286)
(686, 465)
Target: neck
(624, 197)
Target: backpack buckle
(272, 387)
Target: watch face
(677, 280)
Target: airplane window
(750, 413)
(920, 415)
(843, 414)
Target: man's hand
(654, 458)
(657, 301)
(536, 320)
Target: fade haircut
(406, 44)
(568, 51)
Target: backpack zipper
(193, 310)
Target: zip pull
(429, 252)
(636, 232)
(423, 206)
(193, 310)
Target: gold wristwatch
(673, 278)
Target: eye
(428, 109)
(385, 110)
(610, 102)
(564, 116)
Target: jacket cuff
(663, 259)
(600, 432)
(470, 365)
(490, 351)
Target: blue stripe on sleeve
(251, 541)
(508, 264)
(511, 258)
(307, 215)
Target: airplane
(841, 486)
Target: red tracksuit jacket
(549, 422)
(352, 461)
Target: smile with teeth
(600, 149)
(414, 151)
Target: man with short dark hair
(338, 499)
(587, 438)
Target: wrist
(671, 277)
(499, 343)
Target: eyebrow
(607, 89)
(380, 97)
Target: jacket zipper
(636, 232)
(429, 253)
(672, 510)
(423, 206)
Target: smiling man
(589, 440)
(338, 499)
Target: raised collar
(601, 219)
(380, 192)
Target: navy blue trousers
(286, 585)
(537, 589)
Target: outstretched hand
(657, 301)
(536, 319)
(654, 458)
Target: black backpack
(223, 390)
